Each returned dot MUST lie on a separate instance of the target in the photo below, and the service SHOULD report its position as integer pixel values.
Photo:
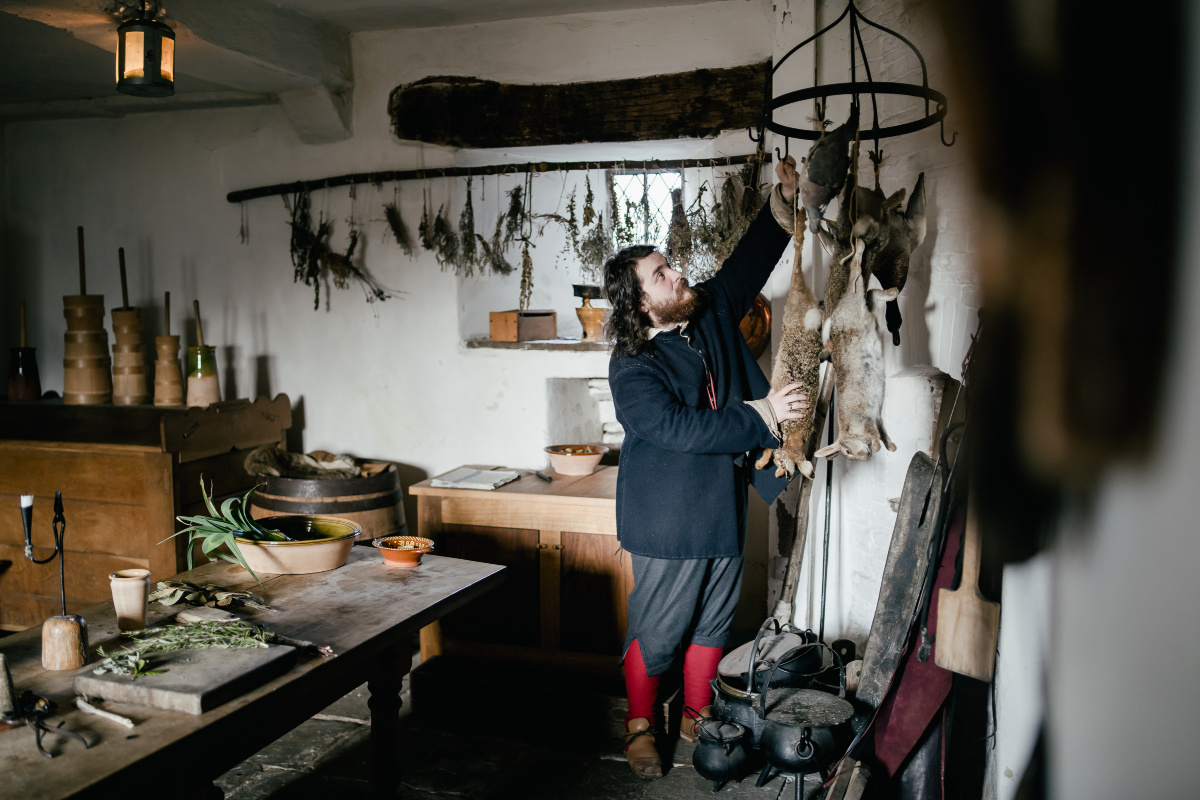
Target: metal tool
(33, 710)
(543, 476)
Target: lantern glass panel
(135, 54)
(168, 59)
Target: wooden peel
(968, 623)
(199, 329)
(124, 284)
(82, 269)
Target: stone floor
(479, 731)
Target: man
(696, 410)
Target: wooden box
(522, 326)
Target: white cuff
(764, 409)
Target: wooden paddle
(968, 623)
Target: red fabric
(699, 668)
(921, 687)
(641, 688)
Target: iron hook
(786, 145)
(953, 136)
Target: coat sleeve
(650, 410)
(743, 275)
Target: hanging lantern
(145, 57)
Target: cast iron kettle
(720, 756)
(804, 729)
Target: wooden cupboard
(125, 473)
(564, 598)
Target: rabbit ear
(830, 451)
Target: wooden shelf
(541, 344)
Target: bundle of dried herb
(170, 592)
(312, 253)
(445, 241)
(468, 257)
(399, 229)
(526, 276)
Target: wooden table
(365, 611)
(565, 600)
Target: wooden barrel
(376, 503)
(87, 367)
(168, 375)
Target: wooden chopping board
(193, 681)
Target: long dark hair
(626, 324)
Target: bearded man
(697, 411)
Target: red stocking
(641, 688)
(699, 668)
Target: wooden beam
(471, 112)
(387, 176)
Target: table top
(599, 488)
(360, 610)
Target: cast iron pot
(803, 731)
(797, 673)
(720, 755)
(736, 704)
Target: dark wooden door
(510, 613)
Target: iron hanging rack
(855, 89)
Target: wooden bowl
(575, 459)
(402, 551)
(324, 544)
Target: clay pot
(390, 547)
(323, 543)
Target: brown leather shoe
(639, 749)
(687, 725)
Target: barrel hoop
(301, 506)
(339, 487)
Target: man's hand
(787, 405)
(785, 170)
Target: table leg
(384, 687)
(431, 641)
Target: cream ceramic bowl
(575, 459)
(324, 544)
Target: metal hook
(786, 145)
(756, 139)
(953, 136)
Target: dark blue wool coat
(681, 488)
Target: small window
(644, 199)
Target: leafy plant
(220, 529)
